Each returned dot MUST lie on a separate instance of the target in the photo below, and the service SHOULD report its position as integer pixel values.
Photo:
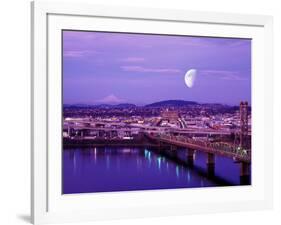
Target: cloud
(149, 70)
(132, 59)
(111, 99)
(224, 74)
(78, 53)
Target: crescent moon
(190, 77)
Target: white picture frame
(47, 206)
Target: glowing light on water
(188, 176)
(177, 171)
(159, 162)
(147, 155)
(95, 154)
(74, 163)
(107, 162)
(138, 166)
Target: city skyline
(115, 68)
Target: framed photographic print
(147, 112)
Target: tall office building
(243, 123)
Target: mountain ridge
(164, 103)
(172, 103)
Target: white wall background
(15, 109)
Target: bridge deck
(215, 148)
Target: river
(108, 169)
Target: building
(170, 116)
(243, 123)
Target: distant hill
(125, 105)
(172, 103)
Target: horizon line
(145, 104)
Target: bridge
(238, 154)
(218, 148)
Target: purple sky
(135, 68)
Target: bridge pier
(210, 164)
(158, 145)
(190, 157)
(173, 151)
(244, 173)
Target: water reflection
(95, 154)
(107, 162)
(123, 169)
(177, 171)
(74, 163)
(188, 176)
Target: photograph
(148, 111)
